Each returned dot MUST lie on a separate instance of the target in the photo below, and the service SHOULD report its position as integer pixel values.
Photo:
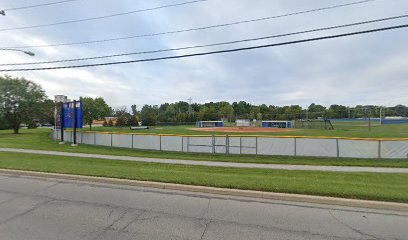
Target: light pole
(17, 50)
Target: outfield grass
(40, 139)
(372, 186)
(357, 130)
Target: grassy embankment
(373, 186)
(39, 139)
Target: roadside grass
(357, 130)
(370, 186)
(39, 139)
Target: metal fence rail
(252, 145)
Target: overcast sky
(365, 69)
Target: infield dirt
(242, 129)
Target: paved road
(42, 209)
(215, 164)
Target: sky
(365, 69)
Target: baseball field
(341, 129)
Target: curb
(392, 206)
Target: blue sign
(68, 113)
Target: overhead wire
(102, 17)
(197, 28)
(213, 44)
(212, 52)
(37, 5)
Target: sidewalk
(214, 164)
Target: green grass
(40, 139)
(357, 130)
(373, 186)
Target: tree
(19, 100)
(94, 109)
(148, 115)
(122, 116)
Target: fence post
(379, 148)
(188, 143)
(81, 137)
(295, 147)
(160, 142)
(213, 144)
(182, 143)
(132, 140)
(94, 138)
(337, 148)
(240, 145)
(256, 145)
(111, 139)
(227, 144)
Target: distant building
(99, 123)
(243, 122)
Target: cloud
(369, 69)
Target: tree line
(25, 102)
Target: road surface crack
(105, 229)
(123, 229)
(205, 229)
(353, 229)
(27, 211)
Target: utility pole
(190, 109)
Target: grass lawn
(39, 139)
(372, 186)
(359, 130)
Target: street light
(17, 50)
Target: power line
(198, 28)
(212, 52)
(37, 5)
(210, 45)
(102, 17)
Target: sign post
(59, 101)
(62, 124)
(72, 118)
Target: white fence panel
(276, 146)
(148, 142)
(316, 147)
(248, 145)
(103, 139)
(358, 148)
(234, 145)
(171, 143)
(122, 140)
(88, 138)
(220, 144)
(394, 149)
(67, 136)
(200, 144)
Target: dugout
(277, 124)
(243, 123)
(209, 124)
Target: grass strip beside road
(39, 139)
(370, 186)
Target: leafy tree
(110, 123)
(227, 111)
(122, 116)
(94, 109)
(19, 101)
(148, 115)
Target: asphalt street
(39, 208)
